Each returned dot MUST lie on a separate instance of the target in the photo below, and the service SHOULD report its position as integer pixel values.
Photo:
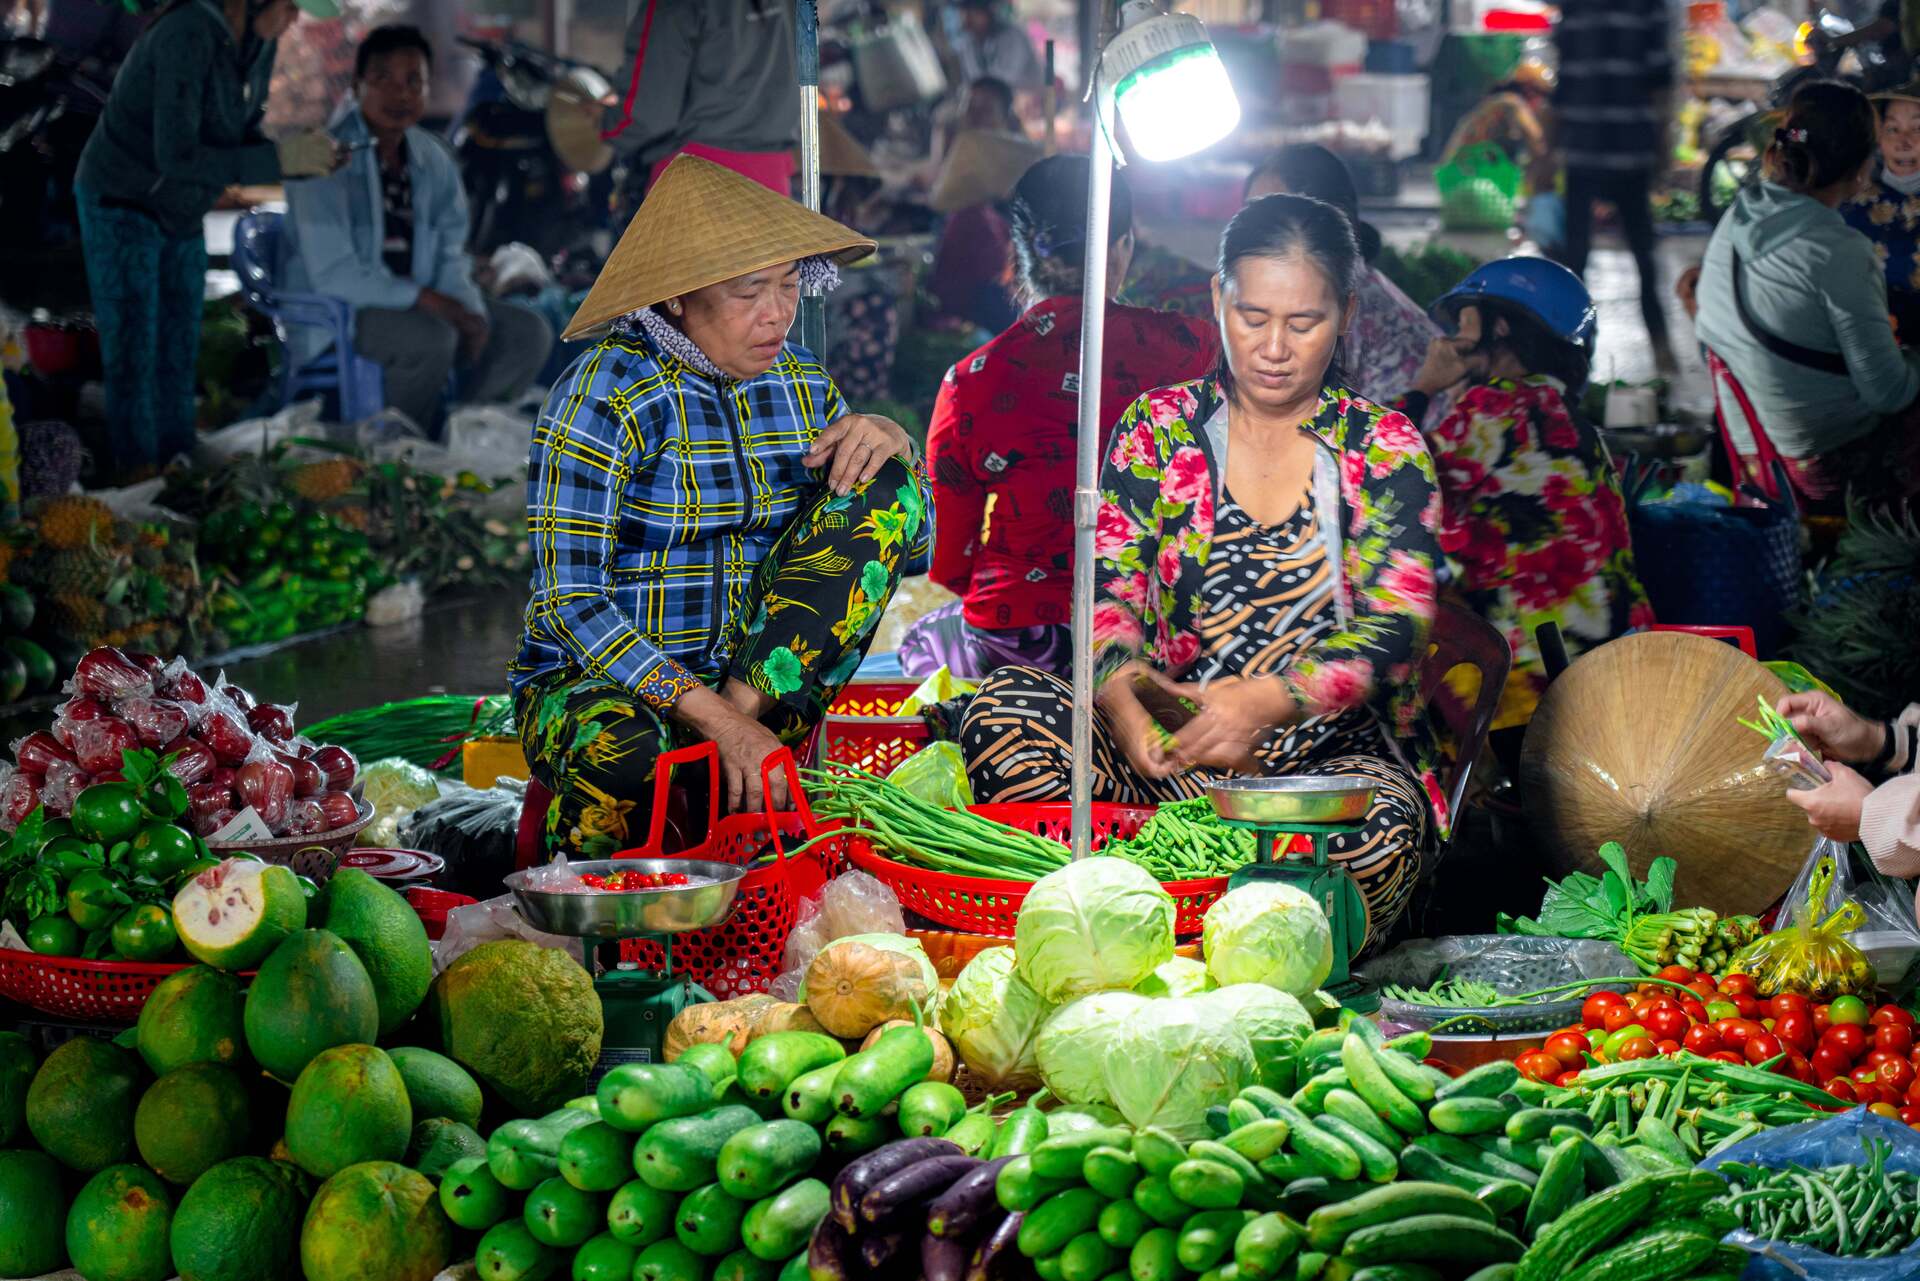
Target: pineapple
(80, 617)
(74, 521)
(79, 573)
(323, 482)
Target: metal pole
(1087, 442)
(813, 314)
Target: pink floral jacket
(1159, 490)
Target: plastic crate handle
(663, 768)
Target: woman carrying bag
(182, 125)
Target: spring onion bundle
(1771, 724)
(426, 731)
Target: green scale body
(1327, 883)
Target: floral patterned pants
(798, 636)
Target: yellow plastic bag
(937, 688)
(1812, 955)
(936, 774)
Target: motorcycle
(525, 110)
(49, 104)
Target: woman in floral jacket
(1266, 539)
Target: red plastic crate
(861, 727)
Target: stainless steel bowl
(1278, 801)
(613, 914)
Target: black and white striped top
(1615, 60)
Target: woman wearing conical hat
(715, 533)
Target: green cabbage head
(1268, 932)
(1075, 1045)
(993, 1020)
(1173, 1059)
(1097, 925)
(1181, 976)
(1274, 1023)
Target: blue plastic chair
(354, 381)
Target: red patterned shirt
(1001, 450)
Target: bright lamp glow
(1169, 85)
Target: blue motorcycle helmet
(1543, 289)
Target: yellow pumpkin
(782, 1016)
(852, 988)
(942, 1069)
(727, 1022)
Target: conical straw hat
(841, 155)
(701, 224)
(981, 166)
(1639, 742)
(574, 118)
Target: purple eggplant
(944, 1258)
(861, 1175)
(968, 1203)
(913, 1187)
(994, 1256)
(879, 1250)
(832, 1254)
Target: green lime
(54, 936)
(94, 901)
(161, 849)
(145, 933)
(108, 812)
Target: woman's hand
(858, 446)
(1443, 367)
(1830, 729)
(1236, 716)
(1687, 289)
(744, 745)
(1834, 808)
(1140, 739)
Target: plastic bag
(1546, 220)
(936, 774)
(853, 903)
(473, 830)
(1838, 1140)
(1888, 936)
(1813, 955)
(496, 918)
(940, 686)
(395, 788)
(1510, 963)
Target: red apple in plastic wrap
(272, 722)
(152, 664)
(308, 779)
(268, 787)
(206, 799)
(309, 818)
(192, 763)
(223, 776)
(158, 721)
(97, 744)
(205, 825)
(184, 687)
(340, 766)
(18, 798)
(341, 810)
(110, 776)
(39, 751)
(107, 674)
(72, 712)
(64, 782)
(240, 698)
(226, 734)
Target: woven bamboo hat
(574, 114)
(701, 224)
(841, 155)
(1639, 741)
(979, 167)
(1910, 91)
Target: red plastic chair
(1739, 635)
(1756, 474)
(1460, 637)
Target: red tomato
(1667, 1025)
(1910, 1114)
(1694, 1010)
(1704, 985)
(1570, 1049)
(1736, 984)
(1749, 1006)
(1675, 974)
(1822, 1017)
(1725, 1056)
(1830, 1061)
(1890, 1095)
(1841, 1088)
(1874, 1058)
(1638, 1048)
(1897, 1037)
(1913, 1091)
(1667, 1047)
(1735, 1032)
(1702, 1039)
(1762, 1047)
(1538, 1066)
(1884, 1109)
(1789, 1003)
(1892, 1014)
(1593, 1010)
(1864, 1076)
(1848, 1038)
(1566, 1080)
(1898, 1074)
(1802, 1070)
(1617, 1017)
(1796, 1030)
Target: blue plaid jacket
(653, 492)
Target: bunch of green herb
(1637, 915)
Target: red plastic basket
(979, 905)
(862, 729)
(743, 953)
(432, 907)
(70, 988)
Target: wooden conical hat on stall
(1639, 742)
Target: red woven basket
(980, 905)
(742, 954)
(70, 988)
(862, 727)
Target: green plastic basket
(1478, 188)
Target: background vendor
(714, 533)
(1887, 209)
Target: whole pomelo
(523, 1018)
(349, 1106)
(33, 1214)
(80, 1105)
(437, 1086)
(18, 1063)
(240, 1221)
(193, 1016)
(376, 1221)
(191, 1120)
(118, 1224)
(437, 1143)
(310, 995)
(386, 934)
(233, 916)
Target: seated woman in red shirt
(1001, 444)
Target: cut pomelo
(233, 915)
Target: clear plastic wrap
(496, 918)
(853, 903)
(97, 744)
(19, 793)
(1510, 963)
(472, 829)
(157, 721)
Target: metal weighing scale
(637, 1004)
(1276, 810)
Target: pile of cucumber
(710, 1168)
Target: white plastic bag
(258, 435)
(853, 903)
(497, 918)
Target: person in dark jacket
(182, 125)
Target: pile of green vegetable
(1639, 916)
(1863, 1211)
(284, 569)
(1185, 840)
